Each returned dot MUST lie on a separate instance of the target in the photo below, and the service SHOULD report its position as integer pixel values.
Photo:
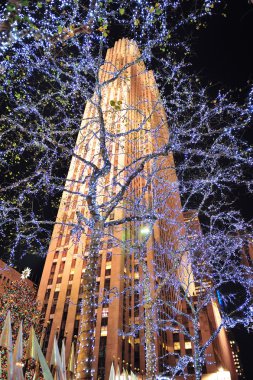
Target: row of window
(5, 279)
(73, 264)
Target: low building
(8, 275)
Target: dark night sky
(224, 49)
(223, 56)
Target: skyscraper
(128, 109)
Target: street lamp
(145, 230)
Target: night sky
(224, 57)
(224, 48)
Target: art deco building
(129, 103)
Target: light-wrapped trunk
(85, 353)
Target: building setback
(129, 102)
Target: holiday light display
(52, 62)
(15, 357)
(19, 299)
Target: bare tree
(53, 61)
(189, 283)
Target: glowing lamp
(145, 230)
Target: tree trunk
(150, 350)
(197, 355)
(85, 353)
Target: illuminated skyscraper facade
(131, 110)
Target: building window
(61, 268)
(136, 355)
(53, 268)
(44, 309)
(104, 321)
(81, 290)
(73, 264)
(97, 286)
(68, 291)
(108, 256)
(67, 239)
(76, 327)
(71, 276)
(190, 369)
(47, 334)
(47, 294)
(56, 295)
(108, 272)
(79, 306)
(136, 298)
(101, 357)
(64, 252)
(104, 313)
(107, 284)
(59, 280)
(53, 307)
(175, 337)
(105, 303)
(66, 307)
(56, 254)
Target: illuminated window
(176, 346)
(188, 345)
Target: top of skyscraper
(124, 48)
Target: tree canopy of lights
(51, 55)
